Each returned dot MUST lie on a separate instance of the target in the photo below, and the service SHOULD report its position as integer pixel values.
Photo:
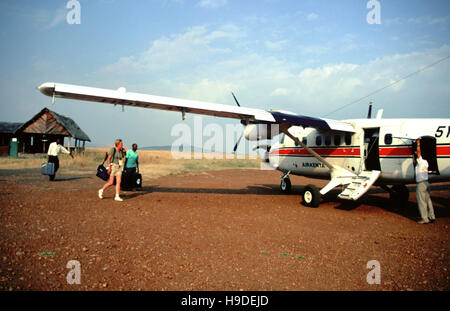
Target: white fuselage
(377, 144)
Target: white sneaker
(117, 198)
(100, 193)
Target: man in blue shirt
(132, 160)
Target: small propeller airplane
(354, 154)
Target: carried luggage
(102, 172)
(48, 168)
(131, 180)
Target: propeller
(237, 143)
(243, 122)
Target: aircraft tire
(311, 196)
(285, 185)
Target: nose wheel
(285, 185)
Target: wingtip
(46, 88)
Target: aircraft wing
(122, 97)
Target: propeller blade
(237, 143)
(243, 122)
(235, 99)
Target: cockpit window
(348, 139)
(388, 139)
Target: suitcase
(131, 180)
(138, 180)
(48, 168)
(102, 172)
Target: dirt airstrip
(213, 230)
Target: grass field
(152, 163)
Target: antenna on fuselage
(369, 114)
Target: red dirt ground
(216, 230)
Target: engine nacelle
(254, 132)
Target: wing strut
(312, 152)
(339, 175)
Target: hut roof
(50, 122)
(9, 127)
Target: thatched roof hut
(46, 126)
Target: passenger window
(388, 139)
(318, 140)
(327, 140)
(348, 139)
(305, 141)
(337, 140)
(282, 138)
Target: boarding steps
(359, 185)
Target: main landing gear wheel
(311, 196)
(285, 185)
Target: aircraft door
(372, 149)
(428, 149)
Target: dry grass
(152, 163)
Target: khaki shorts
(116, 169)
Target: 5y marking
(440, 131)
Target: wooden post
(68, 143)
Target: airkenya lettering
(313, 164)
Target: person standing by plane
(132, 160)
(54, 150)
(115, 167)
(423, 189)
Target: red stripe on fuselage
(441, 151)
(352, 152)
(395, 151)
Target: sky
(311, 57)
